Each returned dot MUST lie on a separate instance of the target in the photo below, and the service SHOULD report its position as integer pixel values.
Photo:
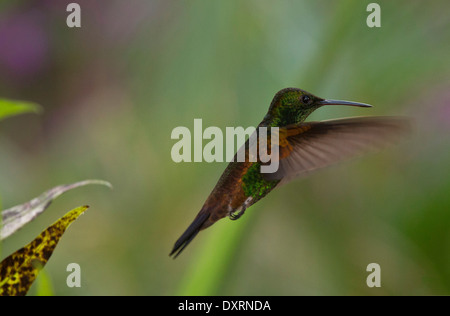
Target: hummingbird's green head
(293, 106)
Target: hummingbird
(303, 147)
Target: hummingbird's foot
(236, 215)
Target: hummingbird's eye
(306, 99)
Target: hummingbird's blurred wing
(314, 145)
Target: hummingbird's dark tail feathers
(189, 234)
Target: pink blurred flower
(23, 43)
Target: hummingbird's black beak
(340, 102)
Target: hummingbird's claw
(236, 215)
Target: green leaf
(43, 284)
(212, 263)
(16, 217)
(10, 108)
(19, 270)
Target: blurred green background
(113, 91)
